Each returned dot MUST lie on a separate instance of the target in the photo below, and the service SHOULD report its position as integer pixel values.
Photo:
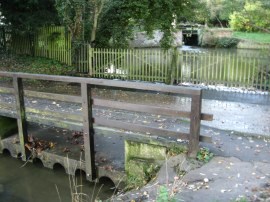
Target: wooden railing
(153, 65)
(210, 68)
(86, 120)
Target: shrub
(254, 17)
(226, 42)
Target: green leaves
(254, 17)
(122, 17)
(164, 196)
(26, 16)
(204, 155)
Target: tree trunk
(31, 44)
(95, 22)
(98, 6)
(77, 36)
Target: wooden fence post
(21, 116)
(90, 60)
(172, 68)
(195, 123)
(88, 132)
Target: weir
(93, 123)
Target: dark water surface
(31, 183)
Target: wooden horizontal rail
(188, 91)
(59, 115)
(111, 104)
(73, 122)
(53, 96)
(147, 109)
(146, 129)
(85, 120)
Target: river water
(31, 183)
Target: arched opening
(6, 152)
(106, 186)
(19, 156)
(38, 163)
(106, 181)
(190, 39)
(81, 175)
(58, 167)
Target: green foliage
(116, 26)
(121, 17)
(227, 42)
(240, 200)
(175, 149)
(204, 155)
(164, 196)
(254, 17)
(72, 15)
(145, 173)
(36, 65)
(26, 16)
(218, 11)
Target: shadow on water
(32, 183)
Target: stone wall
(141, 40)
(208, 37)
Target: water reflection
(34, 184)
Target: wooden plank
(43, 95)
(112, 83)
(21, 116)
(147, 109)
(7, 105)
(90, 61)
(53, 96)
(6, 90)
(195, 122)
(140, 128)
(55, 114)
(88, 131)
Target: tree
(254, 17)
(220, 10)
(125, 16)
(97, 7)
(116, 25)
(81, 19)
(26, 16)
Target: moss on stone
(8, 126)
(142, 162)
(144, 151)
(140, 172)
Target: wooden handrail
(86, 121)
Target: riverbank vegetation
(255, 37)
(35, 65)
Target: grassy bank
(256, 37)
(36, 65)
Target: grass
(256, 37)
